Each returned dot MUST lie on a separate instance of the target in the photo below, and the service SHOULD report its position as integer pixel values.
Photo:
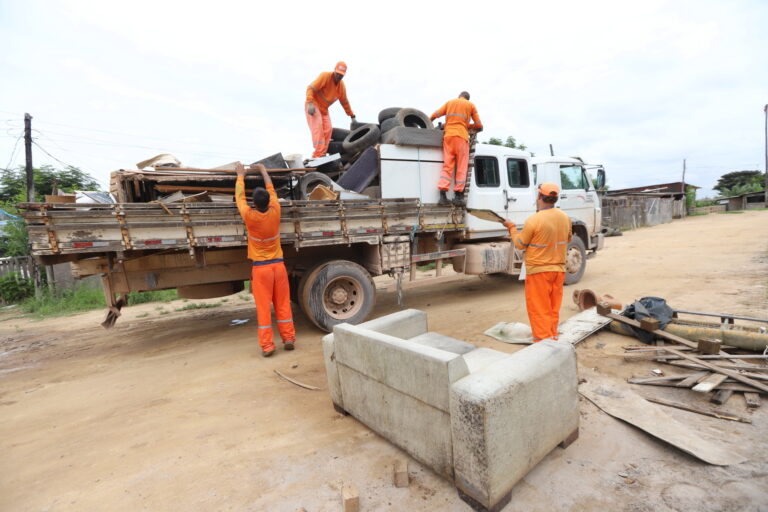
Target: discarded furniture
(479, 417)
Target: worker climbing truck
(332, 248)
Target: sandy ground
(179, 411)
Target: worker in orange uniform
(457, 114)
(321, 94)
(544, 239)
(269, 279)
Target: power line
(50, 155)
(13, 153)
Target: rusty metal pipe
(744, 339)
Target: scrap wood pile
(714, 366)
(349, 171)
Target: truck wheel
(361, 138)
(575, 260)
(335, 292)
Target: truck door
(575, 196)
(486, 194)
(519, 200)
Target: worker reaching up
(457, 114)
(544, 239)
(269, 279)
(321, 94)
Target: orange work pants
(269, 285)
(455, 153)
(320, 127)
(543, 295)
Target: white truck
(332, 248)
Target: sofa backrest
(422, 372)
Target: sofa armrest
(331, 372)
(402, 324)
(509, 415)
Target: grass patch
(730, 213)
(698, 214)
(142, 315)
(83, 297)
(163, 312)
(202, 305)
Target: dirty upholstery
(479, 417)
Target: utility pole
(765, 109)
(28, 148)
(685, 196)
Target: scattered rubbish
(510, 332)
(295, 365)
(400, 473)
(599, 345)
(239, 321)
(698, 410)
(586, 299)
(292, 381)
(161, 160)
(657, 372)
(582, 325)
(623, 475)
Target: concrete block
(402, 324)
(400, 471)
(350, 499)
(435, 340)
(422, 372)
(482, 357)
(332, 375)
(423, 431)
(509, 416)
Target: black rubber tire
(358, 140)
(575, 253)
(388, 113)
(339, 134)
(339, 279)
(403, 136)
(354, 125)
(335, 147)
(388, 124)
(413, 118)
(309, 181)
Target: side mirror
(600, 179)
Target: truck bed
(89, 229)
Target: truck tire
(335, 292)
(404, 136)
(388, 113)
(575, 260)
(413, 118)
(335, 147)
(309, 181)
(388, 124)
(339, 134)
(358, 140)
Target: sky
(635, 86)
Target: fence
(24, 266)
(632, 212)
(710, 209)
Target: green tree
(731, 180)
(510, 143)
(13, 182)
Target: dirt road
(178, 411)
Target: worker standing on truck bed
(269, 279)
(457, 114)
(544, 239)
(321, 94)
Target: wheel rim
(342, 298)
(573, 260)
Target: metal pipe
(747, 340)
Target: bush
(14, 288)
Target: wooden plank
(721, 396)
(582, 325)
(666, 378)
(710, 383)
(724, 371)
(742, 368)
(649, 355)
(725, 385)
(697, 410)
(752, 399)
(621, 402)
(692, 379)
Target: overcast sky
(635, 86)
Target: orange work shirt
(544, 239)
(263, 228)
(457, 114)
(324, 91)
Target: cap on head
(341, 68)
(549, 190)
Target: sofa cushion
(482, 357)
(435, 340)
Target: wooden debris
(401, 473)
(292, 381)
(582, 325)
(739, 366)
(692, 379)
(710, 383)
(649, 324)
(651, 355)
(752, 399)
(721, 396)
(350, 499)
(710, 346)
(734, 386)
(697, 410)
